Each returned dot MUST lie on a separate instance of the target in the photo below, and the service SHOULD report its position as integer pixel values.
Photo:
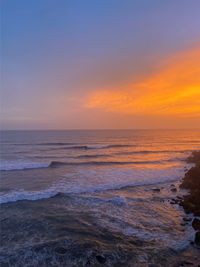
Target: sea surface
(94, 198)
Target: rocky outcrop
(191, 202)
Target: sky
(103, 64)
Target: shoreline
(191, 201)
(92, 230)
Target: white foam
(118, 200)
(22, 165)
(14, 196)
(89, 181)
(97, 146)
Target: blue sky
(65, 49)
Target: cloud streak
(173, 90)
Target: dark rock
(197, 238)
(180, 198)
(173, 189)
(183, 224)
(195, 157)
(101, 259)
(60, 250)
(186, 263)
(196, 224)
(185, 219)
(156, 189)
(174, 201)
(191, 202)
(191, 181)
(192, 178)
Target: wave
(88, 147)
(25, 195)
(47, 157)
(75, 147)
(46, 144)
(15, 166)
(55, 164)
(11, 166)
(56, 144)
(60, 163)
(78, 146)
(122, 179)
(91, 156)
(119, 145)
(154, 152)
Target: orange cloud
(174, 90)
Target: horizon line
(100, 129)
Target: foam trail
(101, 182)
(21, 165)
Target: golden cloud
(173, 90)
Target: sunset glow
(100, 133)
(174, 90)
(100, 64)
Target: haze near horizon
(100, 64)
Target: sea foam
(90, 181)
(21, 165)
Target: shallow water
(100, 197)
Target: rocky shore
(191, 201)
(89, 230)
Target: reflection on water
(100, 197)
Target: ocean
(94, 197)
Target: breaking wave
(121, 179)
(15, 166)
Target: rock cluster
(191, 202)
